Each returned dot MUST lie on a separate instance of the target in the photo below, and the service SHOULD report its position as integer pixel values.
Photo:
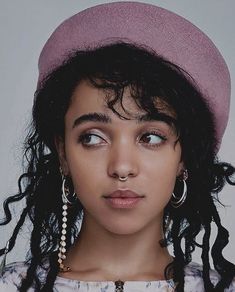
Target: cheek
(160, 174)
(161, 187)
(86, 170)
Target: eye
(90, 139)
(153, 139)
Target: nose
(123, 162)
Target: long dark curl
(150, 78)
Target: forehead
(87, 98)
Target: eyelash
(84, 136)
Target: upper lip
(123, 194)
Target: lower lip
(123, 203)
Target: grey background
(25, 26)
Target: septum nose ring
(123, 178)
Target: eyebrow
(157, 116)
(92, 117)
(103, 118)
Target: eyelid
(164, 133)
(93, 131)
(157, 126)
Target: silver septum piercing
(121, 178)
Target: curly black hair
(150, 78)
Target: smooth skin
(118, 243)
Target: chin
(124, 229)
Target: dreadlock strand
(205, 258)
(53, 271)
(178, 263)
(36, 254)
(222, 266)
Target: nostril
(122, 177)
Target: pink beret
(167, 33)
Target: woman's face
(99, 146)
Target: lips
(123, 194)
(123, 199)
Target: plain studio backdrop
(24, 28)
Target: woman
(128, 117)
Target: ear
(60, 147)
(181, 168)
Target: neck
(99, 254)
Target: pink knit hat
(167, 33)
